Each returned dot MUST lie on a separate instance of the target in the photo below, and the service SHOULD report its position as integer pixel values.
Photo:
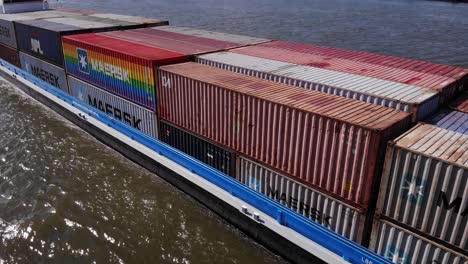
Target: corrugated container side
(202, 150)
(384, 60)
(404, 247)
(425, 183)
(317, 138)
(44, 71)
(452, 120)
(10, 55)
(132, 78)
(130, 114)
(319, 207)
(419, 101)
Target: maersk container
(7, 27)
(328, 142)
(42, 38)
(44, 71)
(319, 207)
(10, 55)
(447, 86)
(425, 183)
(130, 114)
(202, 150)
(404, 247)
(421, 102)
(451, 120)
(125, 68)
(190, 42)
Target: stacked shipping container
(325, 141)
(45, 71)
(451, 120)
(409, 98)
(425, 187)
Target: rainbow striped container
(121, 67)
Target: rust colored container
(10, 55)
(332, 143)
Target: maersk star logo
(413, 189)
(83, 64)
(396, 256)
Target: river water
(65, 197)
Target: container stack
(332, 146)
(422, 211)
(8, 43)
(418, 92)
(115, 73)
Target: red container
(182, 43)
(384, 60)
(10, 55)
(333, 143)
(419, 73)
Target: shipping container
(372, 58)
(42, 38)
(191, 42)
(425, 183)
(421, 102)
(7, 27)
(329, 142)
(10, 55)
(321, 208)
(125, 68)
(44, 71)
(447, 86)
(200, 149)
(76, 11)
(404, 247)
(128, 113)
(451, 120)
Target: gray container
(7, 28)
(128, 113)
(311, 203)
(44, 71)
(403, 247)
(425, 183)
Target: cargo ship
(322, 155)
